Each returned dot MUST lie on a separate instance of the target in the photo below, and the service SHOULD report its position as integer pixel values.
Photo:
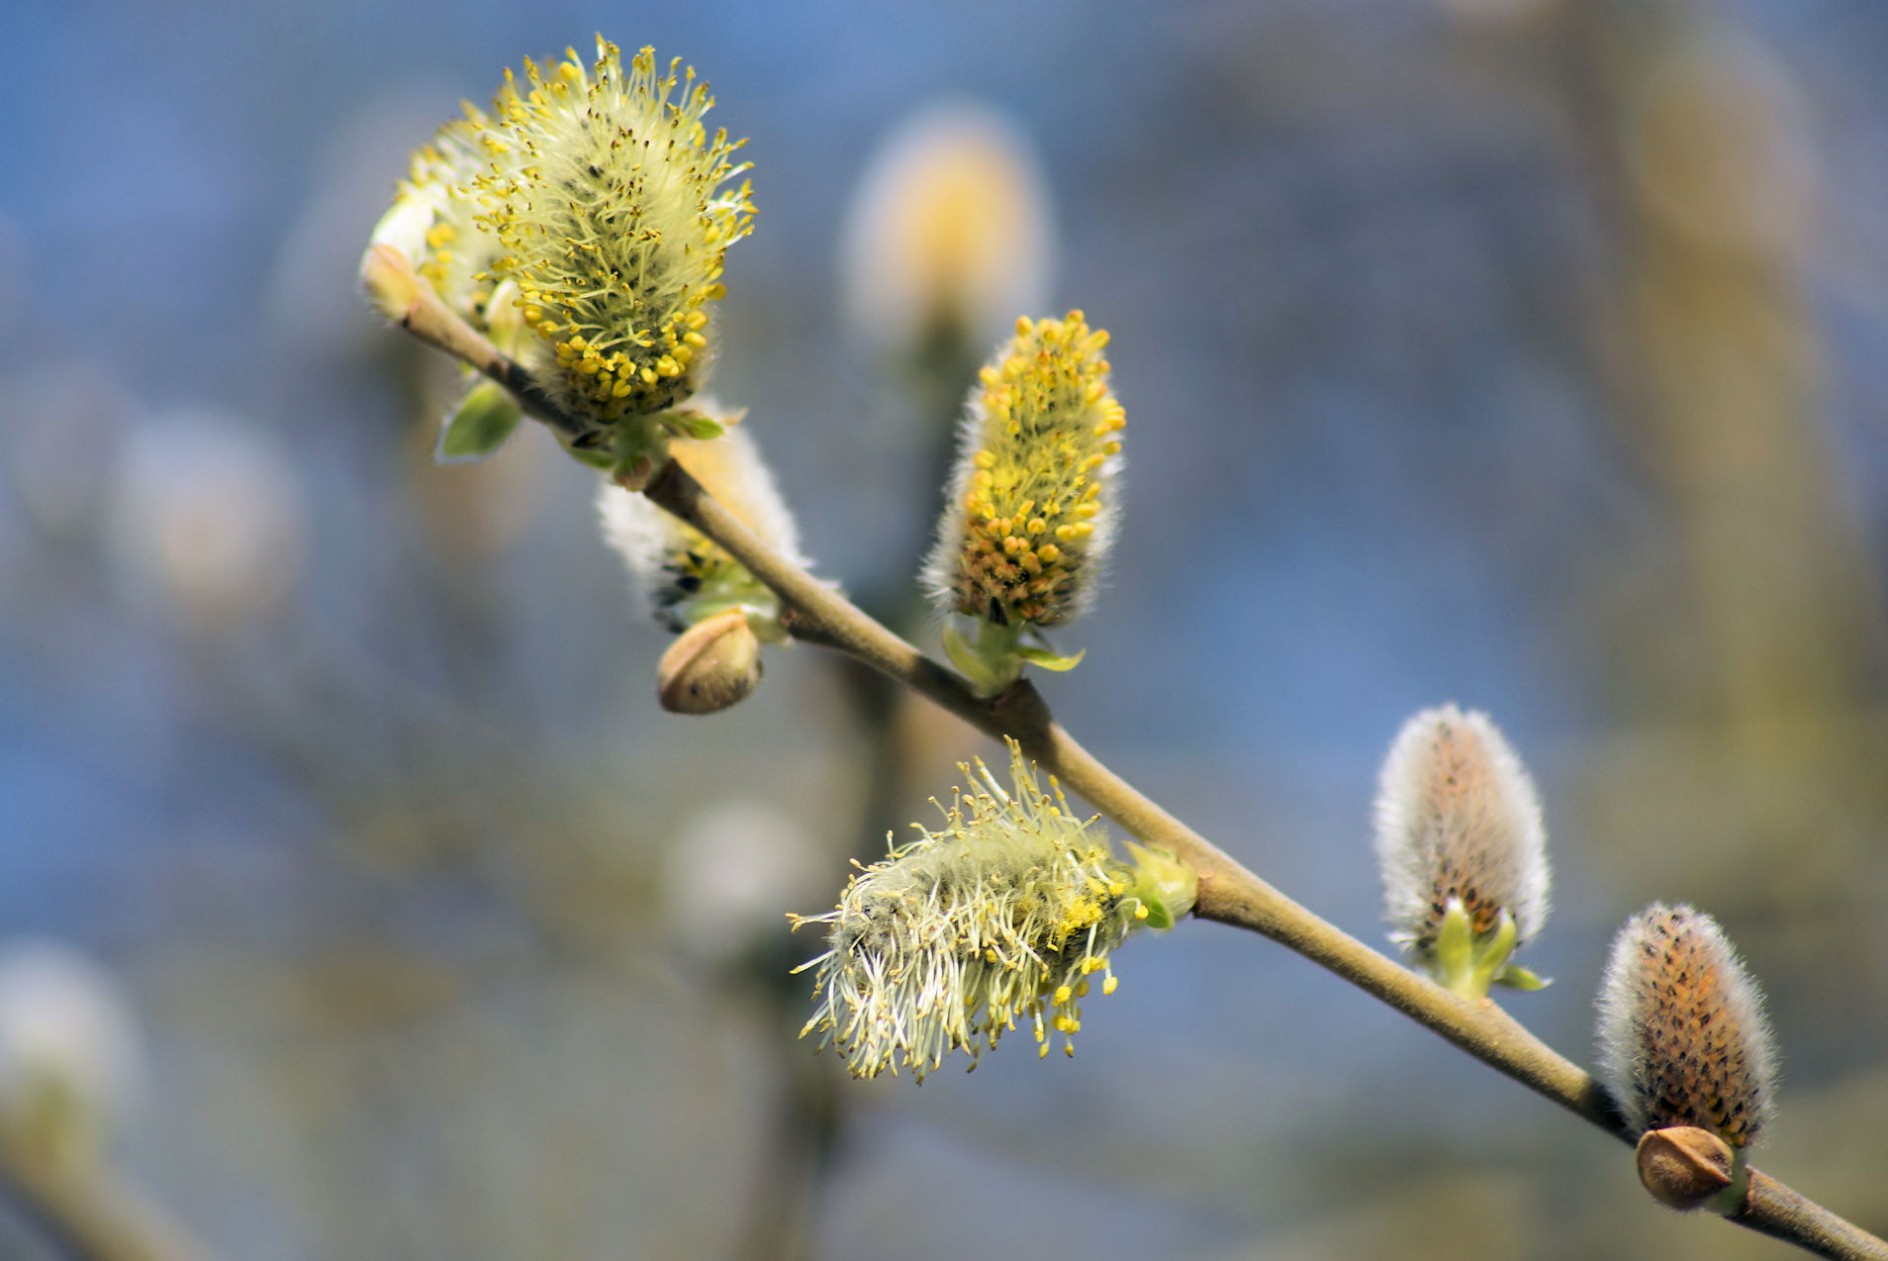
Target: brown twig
(1229, 893)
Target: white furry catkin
(1458, 818)
(1682, 1034)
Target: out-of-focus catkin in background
(1527, 354)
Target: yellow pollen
(1034, 477)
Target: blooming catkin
(1031, 509)
(434, 221)
(1458, 820)
(69, 1053)
(1001, 916)
(1682, 1035)
(685, 575)
(949, 234)
(605, 190)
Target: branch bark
(1229, 893)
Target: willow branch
(1774, 1209)
(1229, 892)
(87, 1216)
(415, 306)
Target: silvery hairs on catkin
(1682, 1035)
(1458, 818)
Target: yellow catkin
(1031, 512)
(614, 206)
(434, 218)
(954, 940)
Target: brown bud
(710, 666)
(1684, 1167)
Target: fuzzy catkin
(606, 191)
(1032, 503)
(434, 220)
(1458, 818)
(1000, 917)
(1682, 1034)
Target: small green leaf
(639, 445)
(594, 458)
(1038, 655)
(1167, 887)
(1516, 977)
(1490, 955)
(693, 424)
(1453, 961)
(988, 671)
(485, 417)
(1465, 963)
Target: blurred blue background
(1531, 354)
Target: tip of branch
(390, 282)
